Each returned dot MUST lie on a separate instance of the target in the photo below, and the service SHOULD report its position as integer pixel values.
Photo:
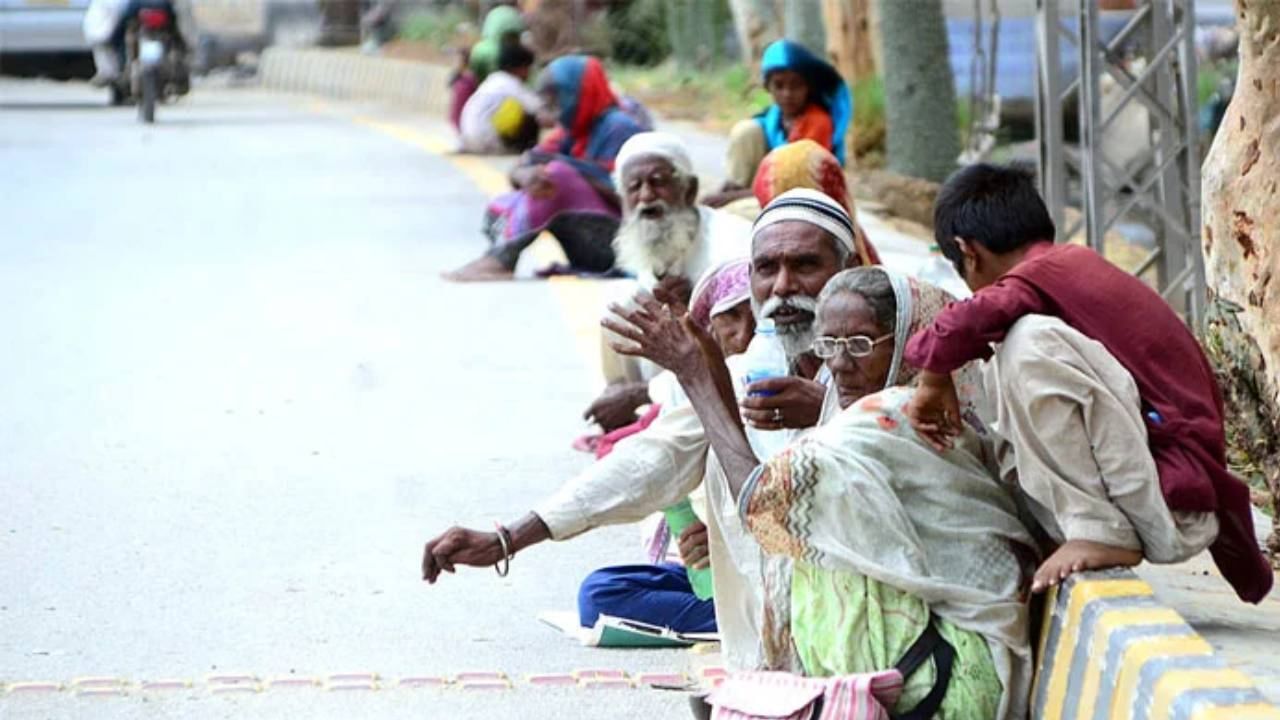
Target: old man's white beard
(657, 247)
(796, 338)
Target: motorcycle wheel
(150, 96)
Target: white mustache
(800, 303)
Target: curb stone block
(1108, 648)
(343, 75)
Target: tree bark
(1241, 241)
(849, 38)
(849, 48)
(919, 94)
(803, 23)
(757, 23)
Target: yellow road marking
(581, 303)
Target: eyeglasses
(856, 346)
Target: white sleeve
(528, 99)
(644, 474)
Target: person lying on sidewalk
(503, 114)
(799, 243)
(810, 102)
(890, 545)
(1090, 366)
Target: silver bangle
(503, 566)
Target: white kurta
(476, 121)
(655, 469)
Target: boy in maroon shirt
(1092, 368)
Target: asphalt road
(235, 400)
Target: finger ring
(777, 415)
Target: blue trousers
(654, 594)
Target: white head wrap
(650, 144)
(808, 206)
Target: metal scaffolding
(1149, 177)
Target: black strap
(930, 643)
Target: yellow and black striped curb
(349, 75)
(1109, 650)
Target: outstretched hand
(459, 546)
(659, 329)
(934, 410)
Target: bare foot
(483, 269)
(1077, 556)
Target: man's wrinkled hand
(459, 546)
(693, 547)
(617, 405)
(674, 290)
(660, 332)
(934, 410)
(783, 402)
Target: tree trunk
(849, 48)
(802, 21)
(849, 38)
(919, 95)
(1241, 214)
(757, 23)
(696, 33)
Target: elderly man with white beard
(666, 240)
(799, 242)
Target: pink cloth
(605, 445)
(783, 696)
(463, 87)
(720, 289)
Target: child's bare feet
(1077, 556)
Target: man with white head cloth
(666, 239)
(800, 241)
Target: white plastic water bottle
(764, 359)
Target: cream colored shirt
(655, 469)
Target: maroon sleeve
(964, 331)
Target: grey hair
(874, 285)
(843, 253)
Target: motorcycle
(155, 67)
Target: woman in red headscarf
(564, 186)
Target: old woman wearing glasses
(899, 557)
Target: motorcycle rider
(104, 31)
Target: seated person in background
(665, 238)
(1091, 366)
(804, 164)
(502, 27)
(502, 114)
(660, 593)
(810, 101)
(564, 186)
(886, 543)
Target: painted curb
(348, 75)
(1109, 649)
